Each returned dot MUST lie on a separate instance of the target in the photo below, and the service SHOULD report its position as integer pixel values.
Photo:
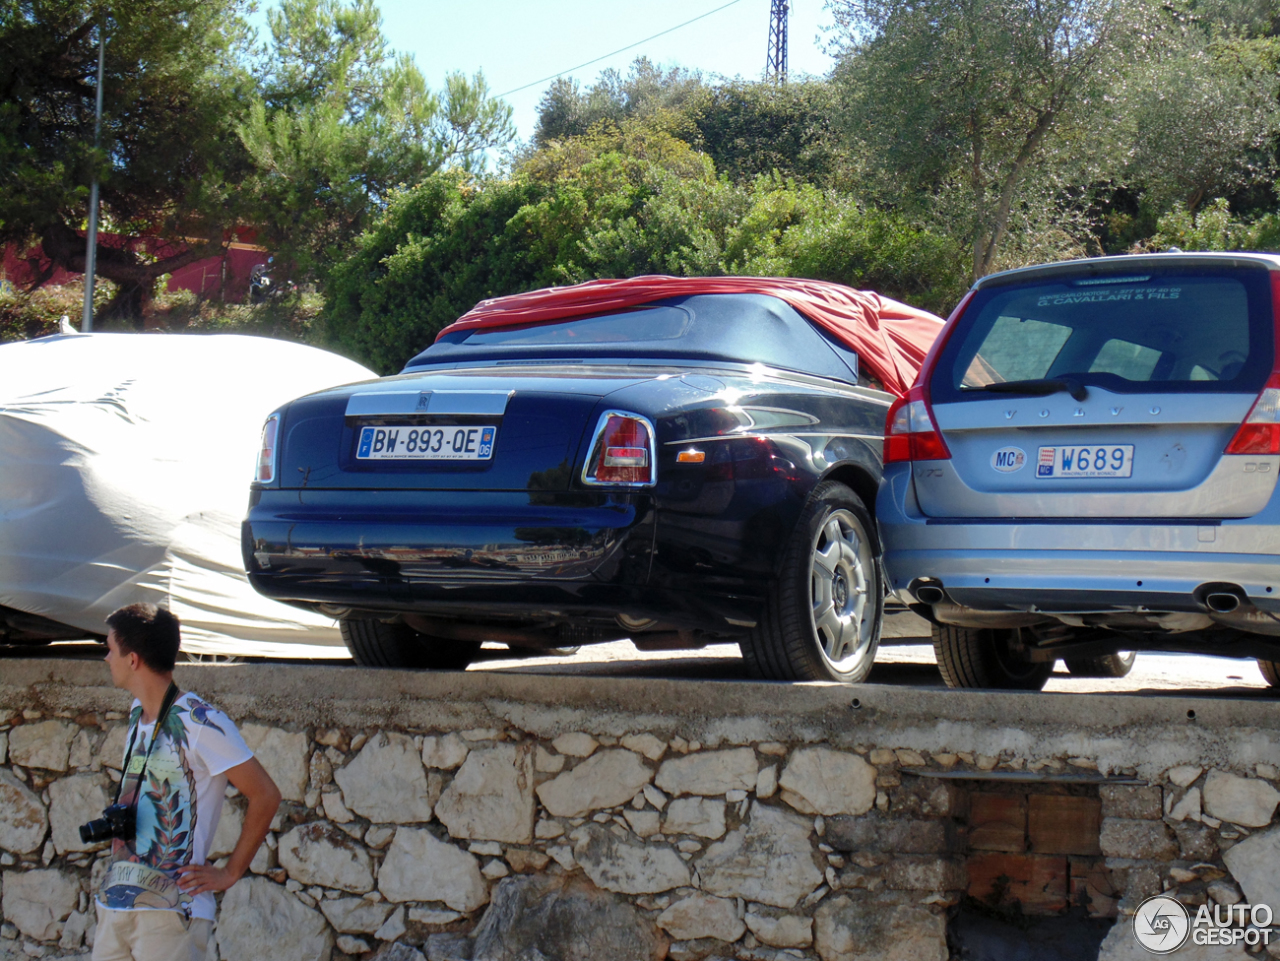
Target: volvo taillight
(267, 452)
(622, 452)
(910, 432)
(1260, 432)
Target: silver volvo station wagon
(1086, 467)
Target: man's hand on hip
(198, 878)
(251, 780)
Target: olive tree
(979, 96)
(1201, 119)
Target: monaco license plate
(1110, 460)
(426, 443)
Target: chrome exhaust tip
(930, 594)
(1221, 602)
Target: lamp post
(91, 244)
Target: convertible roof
(891, 338)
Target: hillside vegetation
(953, 138)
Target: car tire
(1109, 665)
(981, 658)
(822, 615)
(374, 643)
(1270, 672)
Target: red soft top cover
(891, 339)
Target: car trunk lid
(483, 429)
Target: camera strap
(170, 696)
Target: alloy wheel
(842, 577)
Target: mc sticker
(1008, 459)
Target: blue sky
(518, 41)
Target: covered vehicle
(122, 464)
(1087, 468)
(674, 460)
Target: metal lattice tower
(776, 67)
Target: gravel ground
(900, 664)
(908, 664)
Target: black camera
(117, 821)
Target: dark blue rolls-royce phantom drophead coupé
(674, 461)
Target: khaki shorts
(149, 936)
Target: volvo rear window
(1207, 331)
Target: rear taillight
(622, 452)
(1260, 432)
(910, 432)
(267, 452)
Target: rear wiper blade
(1041, 385)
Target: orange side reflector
(690, 456)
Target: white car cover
(125, 463)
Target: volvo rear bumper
(1074, 582)
(1076, 566)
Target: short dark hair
(151, 632)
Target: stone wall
(511, 818)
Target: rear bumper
(1082, 581)
(484, 537)
(692, 609)
(1101, 566)
(492, 554)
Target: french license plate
(1111, 460)
(426, 443)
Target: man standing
(156, 901)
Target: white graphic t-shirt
(178, 806)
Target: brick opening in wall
(1034, 848)
(1034, 870)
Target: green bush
(28, 314)
(438, 249)
(1213, 227)
(592, 210)
(750, 129)
(841, 240)
(288, 316)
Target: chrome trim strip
(598, 434)
(453, 402)
(777, 433)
